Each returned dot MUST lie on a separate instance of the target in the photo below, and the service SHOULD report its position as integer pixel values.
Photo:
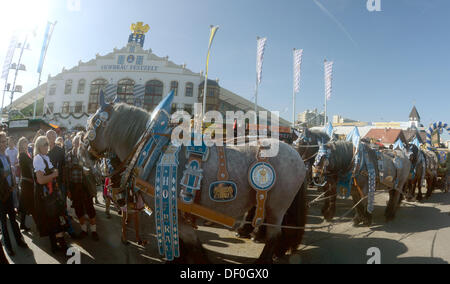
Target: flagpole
(326, 99)
(293, 96)
(205, 87)
(41, 67)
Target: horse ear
(296, 132)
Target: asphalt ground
(419, 234)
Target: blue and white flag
(298, 54)
(47, 37)
(354, 137)
(9, 57)
(328, 78)
(416, 142)
(329, 130)
(399, 145)
(261, 46)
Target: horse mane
(342, 155)
(319, 135)
(126, 125)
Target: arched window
(68, 87)
(174, 87)
(96, 86)
(125, 91)
(189, 90)
(153, 94)
(52, 90)
(81, 86)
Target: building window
(81, 86)
(125, 91)
(211, 93)
(189, 90)
(68, 87)
(153, 94)
(132, 49)
(96, 87)
(79, 107)
(174, 87)
(50, 108)
(65, 108)
(52, 90)
(139, 60)
(121, 60)
(188, 108)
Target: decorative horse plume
(116, 100)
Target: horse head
(412, 152)
(303, 137)
(93, 142)
(322, 161)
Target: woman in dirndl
(26, 200)
(49, 210)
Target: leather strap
(261, 197)
(190, 218)
(222, 175)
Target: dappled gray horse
(339, 163)
(286, 202)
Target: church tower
(414, 118)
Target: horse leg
(124, 228)
(273, 236)
(246, 230)
(430, 187)
(410, 190)
(359, 211)
(419, 195)
(391, 209)
(333, 194)
(326, 204)
(191, 250)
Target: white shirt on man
(12, 154)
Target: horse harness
(154, 148)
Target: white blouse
(39, 165)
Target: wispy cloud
(332, 17)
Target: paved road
(419, 234)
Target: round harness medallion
(262, 176)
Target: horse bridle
(100, 119)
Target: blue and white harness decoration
(361, 159)
(166, 210)
(158, 127)
(193, 174)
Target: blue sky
(384, 61)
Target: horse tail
(296, 216)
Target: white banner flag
(9, 57)
(328, 78)
(261, 46)
(298, 54)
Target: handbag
(53, 203)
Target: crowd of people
(39, 178)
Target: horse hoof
(242, 236)
(257, 240)
(356, 221)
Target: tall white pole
(256, 103)
(326, 99)
(293, 98)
